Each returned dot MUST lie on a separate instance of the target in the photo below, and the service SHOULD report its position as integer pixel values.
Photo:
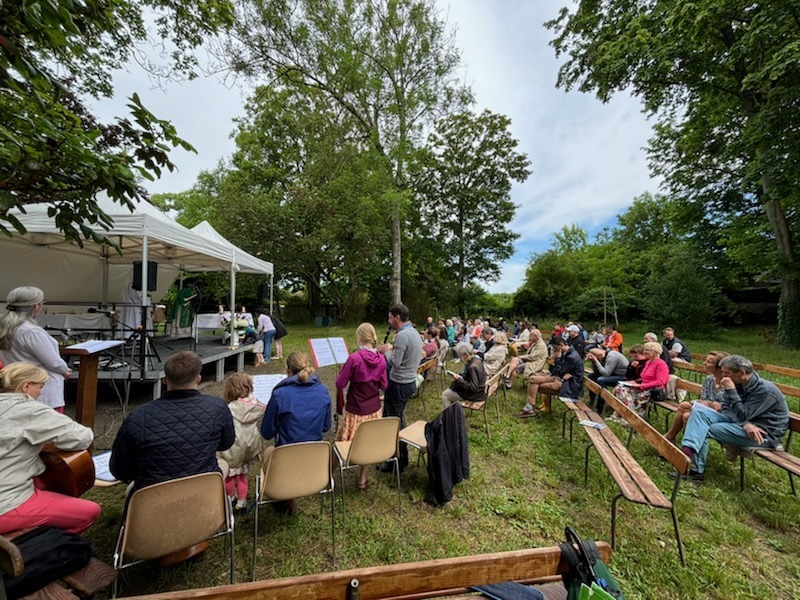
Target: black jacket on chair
(448, 452)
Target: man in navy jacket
(175, 436)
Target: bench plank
(92, 578)
(782, 459)
(424, 579)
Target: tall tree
(723, 79)
(464, 179)
(302, 192)
(389, 64)
(52, 55)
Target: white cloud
(587, 158)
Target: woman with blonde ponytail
(365, 373)
(298, 411)
(300, 407)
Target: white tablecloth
(69, 321)
(208, 321)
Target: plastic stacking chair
(163, 518)
(374, 442)
(295, 471)
(414, 435)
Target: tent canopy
(246, 263)
(95, 273)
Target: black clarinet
(388, 333)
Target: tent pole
(104, 296)
(143, 330)
(234, 334)
(271, 283)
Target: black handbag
(47, 554)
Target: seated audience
(753, 414)
(364, 375)
(575, 339)
(675, 347)
(441, 339)
(635, 394)
(613, 339)
(487, 337)
(495, 357)
(27, 427)
(300, 407)
(522, 343)
(470, 384)
(429, 345)
(609, 367)
(636, 364)
(451, 331)
(711, 395)
(652, 337)
(533, 362)
(247, 413)
(595, 339)
(565, 379)
(177, 435)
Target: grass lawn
(526, 485)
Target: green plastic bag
(586, 568)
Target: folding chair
(166, 517)
(490, 390)
(374, 442)
(295, 471)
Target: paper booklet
(328, 351)
(593, 424)
(263, 386)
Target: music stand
(140, 337)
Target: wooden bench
(84, 583)
(423, 579)
(780, 458)
(634, 483)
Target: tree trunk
(394, 279)
(789, 305)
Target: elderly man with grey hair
(754, 414)
(470, 384)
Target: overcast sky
(587, 157)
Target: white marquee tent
(99, 274)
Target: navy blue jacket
(297, 412)
(175, 436)
(569, 362)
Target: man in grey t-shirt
(402, 360)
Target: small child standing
(247, 416)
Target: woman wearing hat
(22, 340)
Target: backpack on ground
(585, 567)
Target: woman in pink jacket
(654, 376)
(365, 372)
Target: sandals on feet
(362, 486)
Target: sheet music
(322, 352)
(263, 386)
(93, 346)
(339, 348)
(101, 469)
